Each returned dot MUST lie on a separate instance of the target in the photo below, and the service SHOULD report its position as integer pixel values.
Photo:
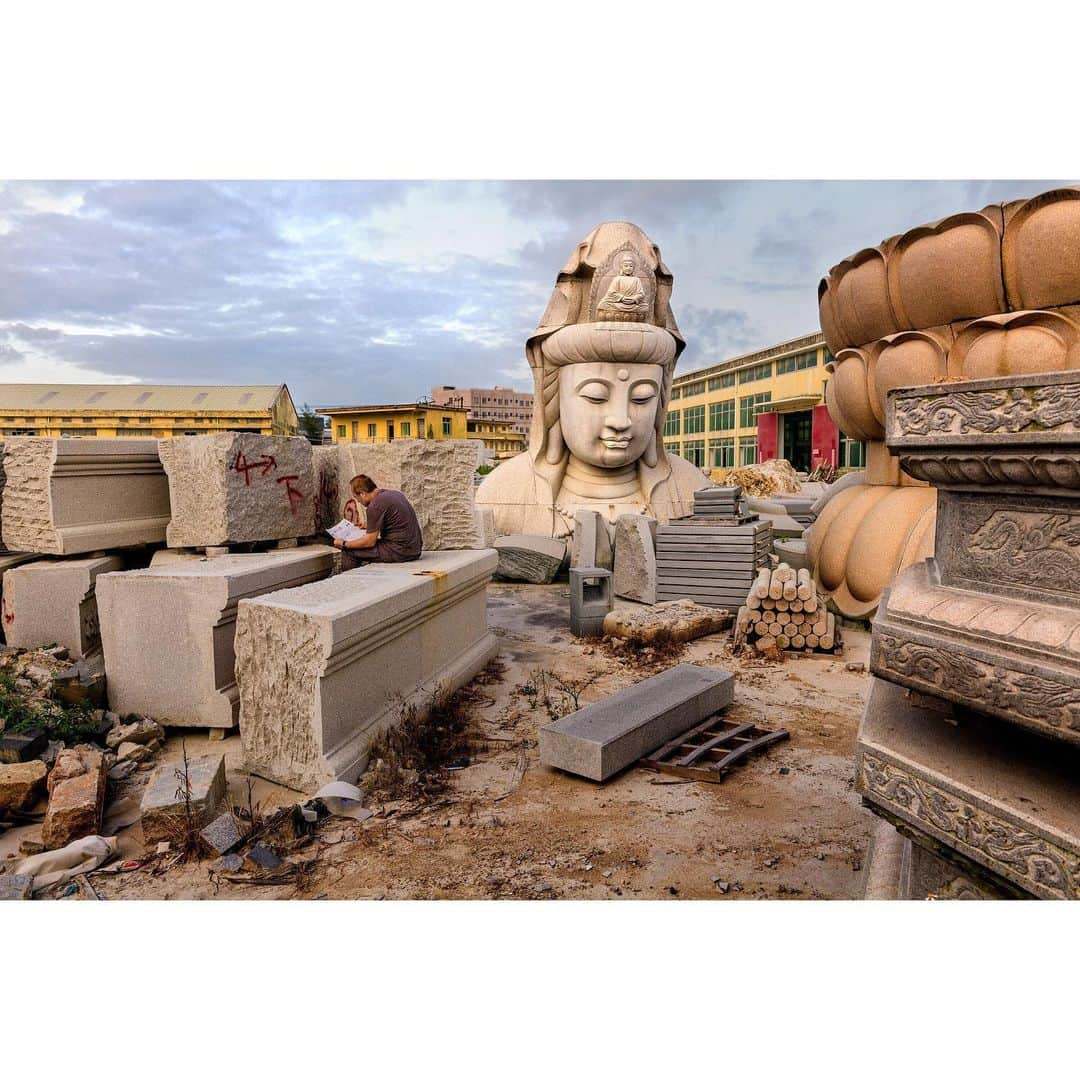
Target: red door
(767, 435)
(824, 438)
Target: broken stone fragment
(18, 746)
(132, 751)
(163, 811)
(223, 834)
(76, 797)
(260, 857)
(21, 785)
(229, 864)
(16, 886)
(122, 770)
(142, 730)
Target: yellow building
(62, 410)
(385, 423)
(763, 405)
(498, 436)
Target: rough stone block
(435, 475)
(163, 810)
(603, 738)
(168, 630)
(635, 557)
(238, 487)
(591, 543)
(53, 602)
(76, 797)
(223, 834)
(71, 496)
(22, 785)
(326, 462)
(535, 559)
(322, 668)
(16, 746)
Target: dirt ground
(784, 824)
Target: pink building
(497, 403)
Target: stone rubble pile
(783, 611)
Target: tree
(311, 425)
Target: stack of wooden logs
(783, 611)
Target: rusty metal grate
(707, 751)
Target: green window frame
(447, 427)
(671, 422)
(748, 451)
(694, 420)
(722, 453)
(371, 430)
(341, 431)
(406, 429)
(756, 373)
(722, 415)
(694, 452)
(722, 382)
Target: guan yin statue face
(608, 411)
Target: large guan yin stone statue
(602, 360)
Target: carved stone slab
(1013, 659)
(1002, 799)
(1020, 432)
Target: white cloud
(46, 202)
(85, 330)
(36, 367)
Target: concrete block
(21, 785)
(535, 559)
(71, 496)
(435, 475)
(51, 602)
(238, 487)
(167, 631)
(324, 667)
(76, 797)
(602, 739)
(162, 810)
(590, 600)
(591, 544)
(635, 557)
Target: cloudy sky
(363, 292)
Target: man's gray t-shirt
(391, 515)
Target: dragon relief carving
(1019, 854)
(1022, 547)
(1044, 408)
(980, 685)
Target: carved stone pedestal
(991, 624)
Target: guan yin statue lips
(611, 343)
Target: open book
(346, 530)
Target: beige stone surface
(1020, 343)
(71, 496)
(634, 577)
(672, 620)
(1041, 250)
(435, 475)
(162, 810)
(591, 546)
(324, 667)
(76, 797)
(53, 602)
(238, 487)
(602, 358)
(22, 784)
(167, 631)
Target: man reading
(393, 533)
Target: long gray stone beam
(603, 738)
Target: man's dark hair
(362, 483)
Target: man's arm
(367, 541)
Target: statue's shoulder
(674, 496)
(509, 482)
(687, 476)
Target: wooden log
(795, 605)
(828, 640)
(806, 585)
(776, 588)
(798, 642)
(791, 590)
(783, 618)
(768, 604)
(753, 601)
(784, 573)
(798, 618)
(761, 628)
(812, 641)
(811, 605)
(761, 583)
(782, 641)
(782, 605)
(765, 643)
(742, 620)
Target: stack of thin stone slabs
(988, 633)
(713, 555)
